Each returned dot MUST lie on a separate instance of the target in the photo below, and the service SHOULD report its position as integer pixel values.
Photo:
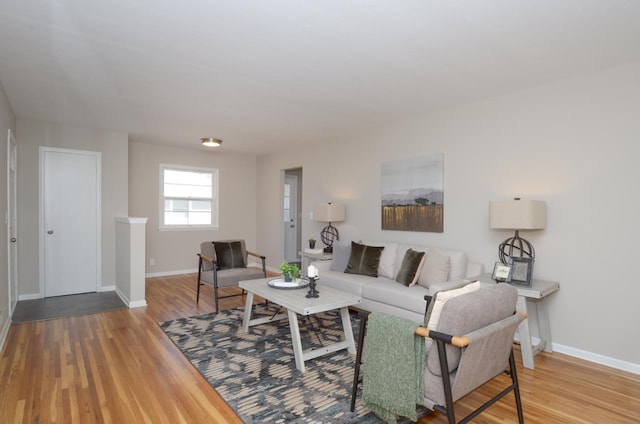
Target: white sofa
(384, 293)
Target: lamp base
(328, 235)
(515, 246)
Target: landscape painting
(413, 194)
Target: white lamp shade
(518, 214)
(329, 212)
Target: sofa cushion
(387, 267)
(229, 254)
(390, 292)
(435, 269)
(408, 272)
(364, 260)
(340, 257)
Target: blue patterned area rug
(255, 372)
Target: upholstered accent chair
(223, 263)
(471, 344)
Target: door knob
(13, 239)
(50, 232)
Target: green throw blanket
(393, 382)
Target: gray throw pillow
(364, 260)
(340, 257)
(229, 255)
(409, 268)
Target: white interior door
(12, 221)
(290, 218)
(70, 189)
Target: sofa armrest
(474, 269)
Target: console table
(535, 295)
(307, 257)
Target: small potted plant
(312, 243)
(290, 272)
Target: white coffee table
(295, 302)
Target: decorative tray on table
(279, 283)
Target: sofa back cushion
(340, 257)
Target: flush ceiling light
(211, 142)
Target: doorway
(12, 221)
(292, 202)
(70, 224)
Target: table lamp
(329, 212)
(517, 215)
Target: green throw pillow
(364, 260)
(409, 268)
(229, 254)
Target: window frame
(162, 226)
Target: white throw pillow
(435, 269)
(387, 266)
(438, 302)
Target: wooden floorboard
(120, 367)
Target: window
(189, 197)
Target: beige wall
(175, 251)
(7, 121)
(573, 143)
(114, 148)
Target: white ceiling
(267, 74)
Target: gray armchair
(224, 263)
(472, 344)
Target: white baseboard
(130, 304)
(106, 288)
(167, 273)
(32, 296)
(597, 358)
(4, 331)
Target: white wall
(114, 147)
(175, 251)
(574, 143)
(7, 121)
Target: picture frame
(501, 273)
(521, 271)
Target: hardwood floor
(119, 367)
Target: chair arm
(457, 341)
(205, 258)
(256, 255)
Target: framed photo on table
(501, 273)
(521, 270)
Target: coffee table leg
(295, 339)
(348, 330)
(248, 306)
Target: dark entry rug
(66, 306)
(255, 372)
